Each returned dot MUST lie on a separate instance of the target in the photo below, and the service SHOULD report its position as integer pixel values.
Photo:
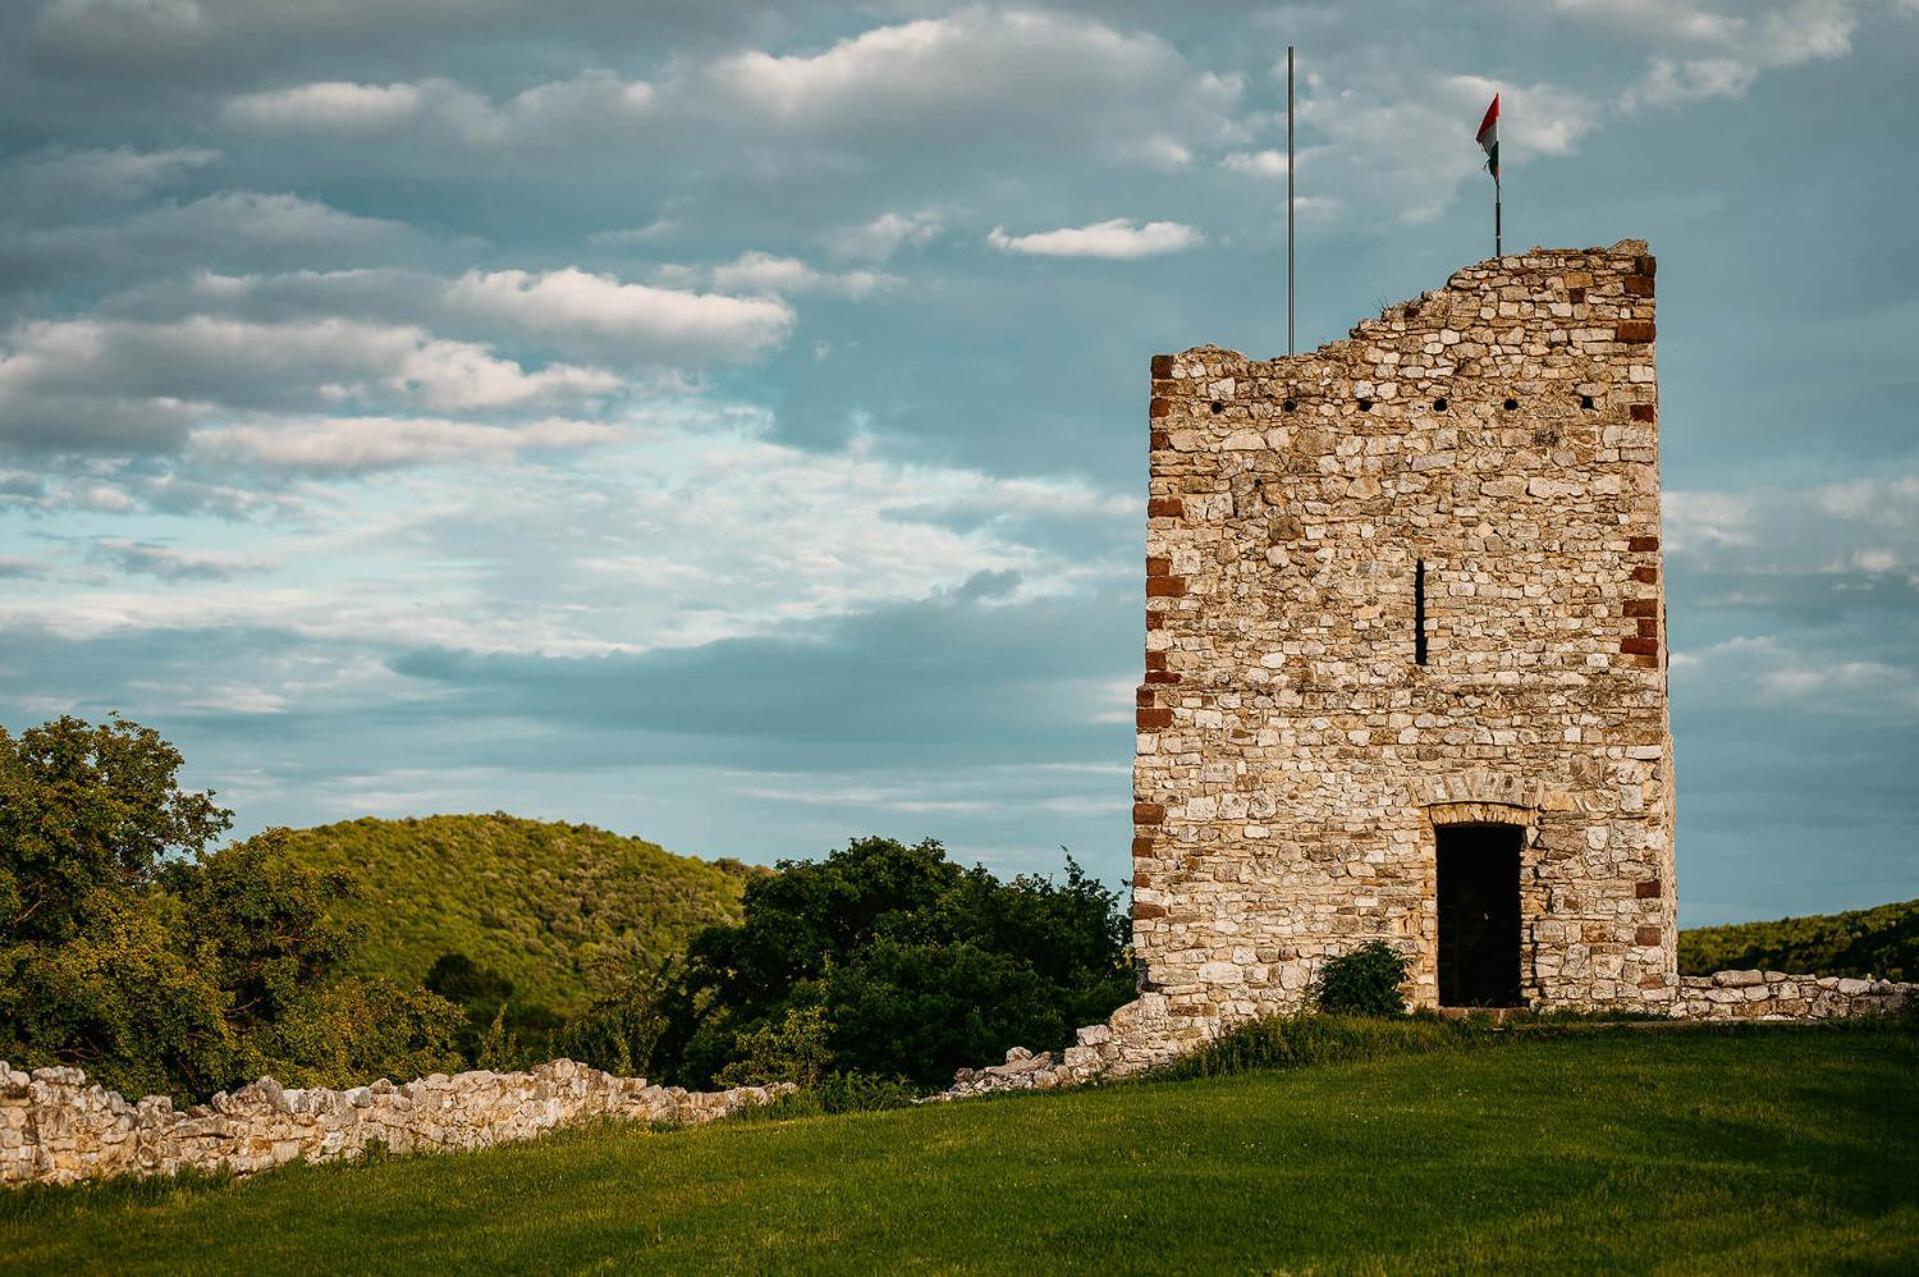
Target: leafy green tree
(123, 998)
(130, 950)
(903, 962)
(85, 807)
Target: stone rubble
(57, 1128)
(1142, 1035)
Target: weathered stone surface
(1482, 439)
(55, 1127)
(1496, 440)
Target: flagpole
(1498, 251)
(1289, 199)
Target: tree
(901, 962)
(130, 950)
(86, 807)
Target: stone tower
(1405, 657)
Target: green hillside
(1766, 1149)
(564, 911)
(1865, 942)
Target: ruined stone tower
(1405, 658)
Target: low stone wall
(1139, 1036)
(1144, 1034)
(1774, 995)
(56, 1127)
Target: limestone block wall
(1493, 447)
(56, 1127)
(1143, 1035)
(1774, 995)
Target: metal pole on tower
(1498, 251)
(1289, 199)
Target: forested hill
(563, 911)
(1865, 942)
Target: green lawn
(1759, 1149)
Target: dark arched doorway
(1478, 890)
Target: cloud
(575, 313)
(246, 230)
(330, 104)
(896, 678)
(13, 567)
(170, 564)
(983, 78)
(1269, 164)
(90, 385)
(653, 232)
(596, 100)
(886, 234)
(1750, 671)
(1709, 50)
(363, 445)
(1412, 151)
(654, 325)
(1859, 526)
(769, 275)
(59, 181)
(1116, 239)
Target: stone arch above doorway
(1481, 798)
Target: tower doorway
(1479, 915)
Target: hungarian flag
(1489, 137)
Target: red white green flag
(1489, 137)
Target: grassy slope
(1764, 1148)
(1865, 942)
(559, 909)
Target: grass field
(1766, 1148)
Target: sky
(725, 422)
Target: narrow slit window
(1419, 612)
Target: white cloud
(361, 445)
(1412, 152)
(1158, 151)
(1701, 520)
(973, 55)
(766, 274)
(984, 77)
(329, 104)
(93, 384)
(631, 236)
(577, 313)
(886, 234)
(653, 325)
(1270, 164)
(696, 526)
(1752, 671)
(244, 229)
(66, 182)
(1116, 239)
(593, 99)
(1705, 49)
(170, 563)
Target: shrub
(1296, 1041)
(839, 1092)
(1363, 982)
(914, 965)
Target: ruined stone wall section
(1293, 759)
(1774, 995)
(56, 1127)
(1143, 1035)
